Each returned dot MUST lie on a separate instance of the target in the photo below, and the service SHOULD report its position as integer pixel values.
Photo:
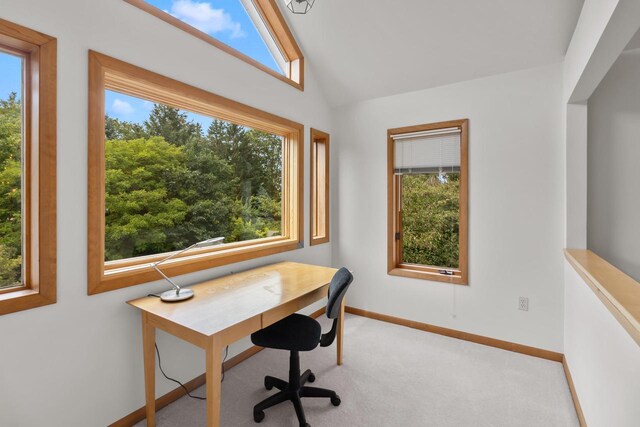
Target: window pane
(10, 170)
(224, 20)
(174, 178)
(430, 219)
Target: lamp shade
(300, 6)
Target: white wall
(594, 17)
(79, 362)
(613, 231)
(515, 206)
(603, 30)
(603, 358)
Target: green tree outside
(169, 185)
(430, 219)
(10, 191)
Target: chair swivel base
(294, 393)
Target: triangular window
(252, 30)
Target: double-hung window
(427, 189)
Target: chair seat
(295, 333)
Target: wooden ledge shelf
(619, 292)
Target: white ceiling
(635, 42)
(363, 49)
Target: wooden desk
(226, 309)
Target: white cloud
(122, 107)
(148, 105)
(205, 18)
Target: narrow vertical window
(27, 168)
(428, 201)
(319, 187)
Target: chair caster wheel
(305, 425)
(267, 385)
(312, 378)
(335, 401)
(258, 416)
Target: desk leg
(148, 350)
(214, 374)
(341, 330)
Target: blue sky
(226, 20)
(136, 110)
(10, 75)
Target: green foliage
(116, 129)
(430, 221)
(141, 208)
(168, 185)
(9, 267)
(172, 124)
(256, 157)
(10, 191)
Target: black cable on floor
(226, 353)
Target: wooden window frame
(39, 168)
(106, 73)
(394, 220)
(319, 137)
(276, 25)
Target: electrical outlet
(523, 304)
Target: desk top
(225, 301)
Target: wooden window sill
(618, 292)
(141, 272)
(24, 299)
(419, 273)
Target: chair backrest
(337, 289)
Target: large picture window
(428, 201)
(178, 166)
(27, 168)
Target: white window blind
(436, 151)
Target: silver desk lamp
(181, 294)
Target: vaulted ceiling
(362, 49)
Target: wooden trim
(317, 219)
(40, 124)
(110, 73)
(23, 34)
(175, 394)
(137, 261)
(426, 273)
(275, 23)
(466, 336)
(618, 292)
(395, 267)
(574, 393)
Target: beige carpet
(396, 376)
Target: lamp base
(172, 296)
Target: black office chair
(301, 333)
